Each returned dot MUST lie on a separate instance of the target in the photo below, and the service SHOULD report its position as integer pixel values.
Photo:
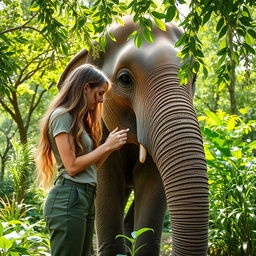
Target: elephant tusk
(143, 153)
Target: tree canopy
(57, 21)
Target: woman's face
(95, 95)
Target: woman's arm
(74, 164)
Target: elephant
(163, 160)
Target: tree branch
(18, 81)
(19, 27)
(7, 109)
(33, 107)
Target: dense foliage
(230, 153)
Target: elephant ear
(77, 61)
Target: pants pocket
(49, 203)
(73, 197)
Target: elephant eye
(124, 78)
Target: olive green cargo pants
(69, 213)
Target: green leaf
(112, 36)
(249, 39)
(199, 53)
(138, 40)
(14, 254)
(5, 243)
(139, 248)
(181, 40)
(196, 67)
(219, 24)
(208, 153)
(252, 33)
(222, 51)
(131, 35)
(170, 14)
(148, 36)
(126, 237)
(158, 15)
(141, 231)
(160, 24)
(249, 48)
(35, 9)
(103, 41)
(223, 31)
(237, 154)
(207, 16)
(205, 70)
(213, 117)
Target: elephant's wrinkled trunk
(174, 141)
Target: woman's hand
(116, 139)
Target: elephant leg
(150, 207)
(110, 202)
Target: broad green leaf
(196, 67)
(207, 16)
(142, 230)
(219, 24)
(223, 31)
(237, 154)
(138, 40)
(158, 15)
(249, 48)
(252, 33)
(249, 39)
(148, 36)
(170, 14)
(208, 153)
(222, 51)
(14, 254)
(160, 24)
(5, 243)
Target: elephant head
(146, 97)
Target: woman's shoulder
(60, 111)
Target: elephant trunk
(175, 144)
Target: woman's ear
(86, 87)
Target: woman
(70, 135)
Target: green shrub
(232, 182)
(20, 234)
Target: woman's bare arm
(74, 164)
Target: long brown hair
(71, 97)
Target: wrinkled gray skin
(147, 98)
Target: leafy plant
(135, 234)
(21, 165)
(20, 238)
(13, 210)
(230, 153)
(19, 233)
